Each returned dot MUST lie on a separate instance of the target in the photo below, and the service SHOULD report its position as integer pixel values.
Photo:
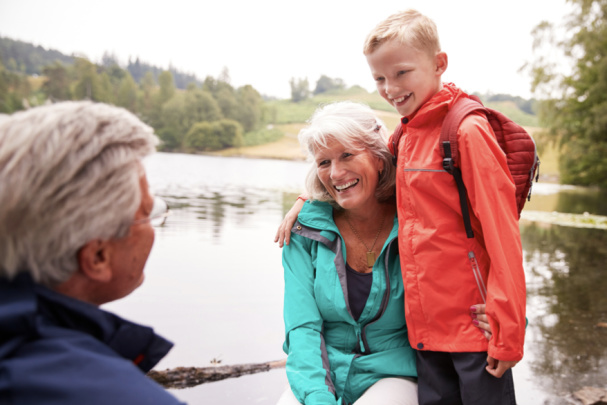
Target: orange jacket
(436, 256)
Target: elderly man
(75, 232)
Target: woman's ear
(94, 260)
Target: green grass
(288, 112)
(510, 109)
(261, 136)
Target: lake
(214, 280)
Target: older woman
(346, 335)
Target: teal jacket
(333, 359)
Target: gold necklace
(370, 252)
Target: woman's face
(350, 176)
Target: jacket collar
(440, 103)
(28, 309)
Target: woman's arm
(307, 367)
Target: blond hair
(408, 27)
(355, 126)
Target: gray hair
(69, 174)
(355, 126)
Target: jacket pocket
(478, 276)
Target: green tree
(127, 96)
(88, 83)
(147, 87)
(227, 102)
(165, 93)
(576, 108)
(201, 106)
(249, 105)
(167, 86)
(325, 83)
(230, 133)
(56, 85)
(300, 89)
(210, 136)
(202, 136)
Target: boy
(456, 364)
(437, 258)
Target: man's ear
(442, 62)
(94, 260)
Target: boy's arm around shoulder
(491, 193)
(307, 362)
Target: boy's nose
(391, 89)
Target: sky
(265, 43)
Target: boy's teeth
(400, 99)
(345, 186)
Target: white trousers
(387, 391)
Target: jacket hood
(29, 310)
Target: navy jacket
(58, 350)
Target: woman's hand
(283, 234)
(479, 319)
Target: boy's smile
(406, 77)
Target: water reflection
(567, 300)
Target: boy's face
(405, 76)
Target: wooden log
(185, 377)
(591, 396)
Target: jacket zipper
(385, 299)
(477, 275)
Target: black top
(359, 287)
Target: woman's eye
(346, 155)
(323, 163)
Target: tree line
(204, 116)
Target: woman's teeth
(342, 187)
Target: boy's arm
(491, 193)
(283, 234)
(307, 366)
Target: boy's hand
(479, 319)
(283, 234)
(497, 368)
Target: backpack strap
(448, 143)
(395, 139)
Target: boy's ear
(441, 61)
(94, 260)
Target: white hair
(355, 126)
(69, 174)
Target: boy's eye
(379, 79)
(402, 72)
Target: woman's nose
(336, 170)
